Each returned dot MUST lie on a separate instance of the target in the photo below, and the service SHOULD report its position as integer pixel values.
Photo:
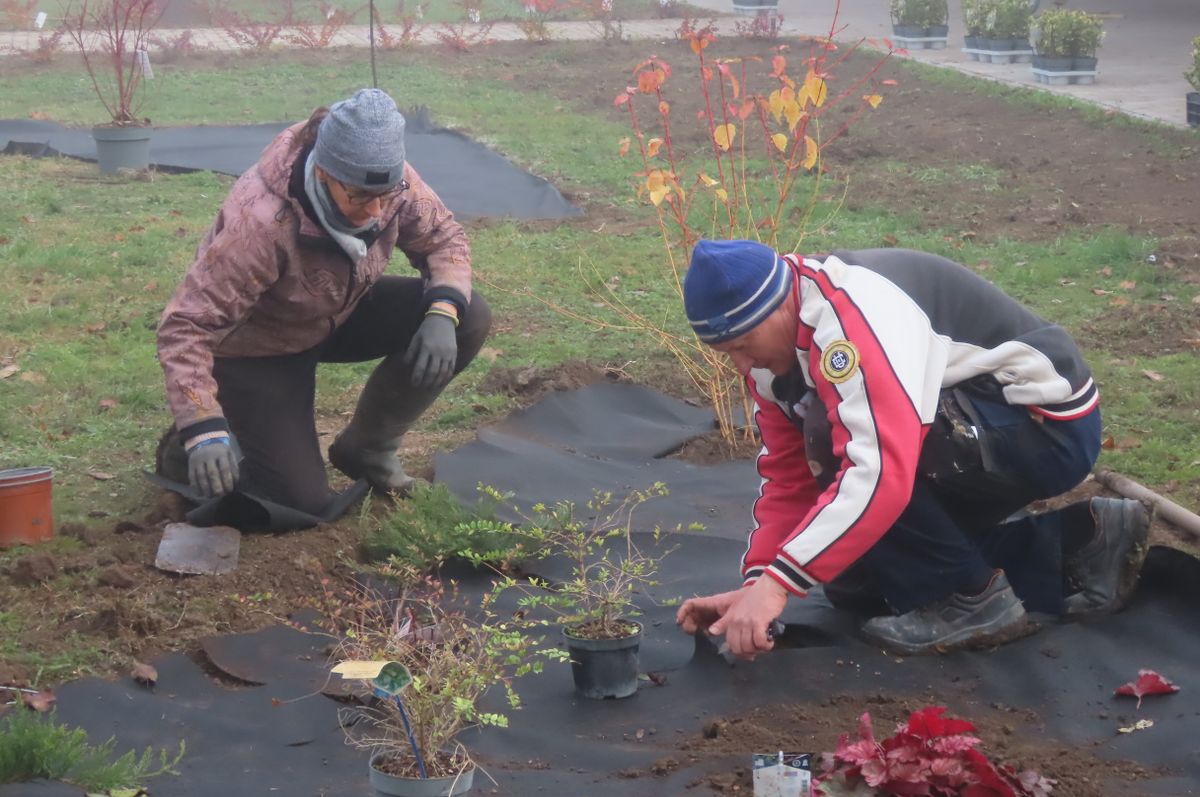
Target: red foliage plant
(246, 32)
(318, 37)
(931, 755)
(406, 34)
(109, 35)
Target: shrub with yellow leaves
(763, 144)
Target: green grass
(89, 262)
(37, 746)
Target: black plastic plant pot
(1083, 63)
(1053, 63)
(395, 786)
(1193, 108)
(908, 31)
(973, 42)
(604, 669)
(937, 31)
(1000, 44)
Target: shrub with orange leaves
(761, 142)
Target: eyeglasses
(358, 198)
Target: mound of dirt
(529, 383)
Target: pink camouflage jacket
(268, 280)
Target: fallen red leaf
(1148, 683)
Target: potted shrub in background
(594, 604)
(755, 8)
(1067, 41)
(113, 39)
(440, 663)
(1052, 34)
(1008, 23)
(920, 19)
(1193, 77)
(975, 13)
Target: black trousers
(959, 524)
(269, 401)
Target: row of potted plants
(997, 25)
(429, 655)
(918, 19)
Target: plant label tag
(40, 20)
(782, 774)
(143, 59)
(353, 670)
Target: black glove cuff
(444, 293)
(203, 427)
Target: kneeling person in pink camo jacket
(291, 274)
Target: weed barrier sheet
(1059, 681)
(471, 179)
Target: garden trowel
(782, 634)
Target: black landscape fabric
(471, 179)
(240, 741)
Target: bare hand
(745, 620)
(697, 614)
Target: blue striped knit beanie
(731, 286)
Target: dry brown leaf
(144, 674)
(9, 370)
(1106, 271)
(107, 404)
(99, 326)
(42, 701)
(100, 475)
(1127, 285)
(33, 378)
(1100, 292)
(151, 286)
(1119, 301)
(1109, 443)
(4, 239)
(1153, 376)
(1126, 443)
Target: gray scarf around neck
(331, 217)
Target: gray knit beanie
(361, 142)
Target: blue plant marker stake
(390, 683)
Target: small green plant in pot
(1193, 77)
(112, 37)
(451, 653)
(594, 604)
(915, 19)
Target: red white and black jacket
(878, 341)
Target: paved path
(1148, 45)
(1146, 50)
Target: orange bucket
(26, 512)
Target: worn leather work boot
(959, 621)
(388, 407)
(1104, 573)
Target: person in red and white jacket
(907, 407)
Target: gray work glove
(432, 352)
(213, 468)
